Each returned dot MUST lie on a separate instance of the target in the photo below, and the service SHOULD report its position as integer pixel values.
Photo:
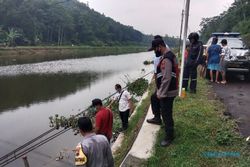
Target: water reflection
(62, 87)
(24, 90)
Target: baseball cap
(156, 42)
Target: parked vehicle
(240, 54)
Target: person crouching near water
(94, 150)
(124, 100)
(103, 119)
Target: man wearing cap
(103, 119)
(167, 88)
(155, 102)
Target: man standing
(225, 57)
(123, 98)
(95, 149)
(194, 58)
(167, 87)
(103, 119)
(155, 102)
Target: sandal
(217, 82)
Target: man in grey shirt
(96, 148)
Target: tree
(12, 35)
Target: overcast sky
(158, 16)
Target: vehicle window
(235, 43)
(209, 41)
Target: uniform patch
(80, 157)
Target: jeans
(167, 116)
(124, 117)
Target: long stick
(184, 44)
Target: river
(30, 93)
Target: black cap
(96, 102)
(157, 37)
(156, 42)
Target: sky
(158, 16)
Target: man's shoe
(166, 143)
(154, 121)
(193, 91)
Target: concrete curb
(117, 144)
(142, 148)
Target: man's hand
(158, 97)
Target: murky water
(30, 93)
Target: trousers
(166, 105)
(190, 72)
(124, 118)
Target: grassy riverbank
(20, 55)
(80, 49)
(203, 136)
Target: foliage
(236, 18)
(147, 62)
(11, 36)
(138, 87)
(66, 22)
(224, 137)
(71, 122)
(246, 39)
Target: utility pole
(184, 44)
(182, 16)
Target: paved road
(236, 97)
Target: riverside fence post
(25, 161)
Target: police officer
(167, 88)
(194, 58)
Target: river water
(30, 93)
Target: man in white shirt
(123, 98)
(225, 57)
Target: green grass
(133, 129)
(201, 127)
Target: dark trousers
(155, 106)
(124, 117)
(190, 72)
(167, 116)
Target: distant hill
(63, 22)
(236, 18)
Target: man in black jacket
(194, 58)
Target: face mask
(157, 53)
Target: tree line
(64, 22)
(235, 19)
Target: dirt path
(236, 97)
